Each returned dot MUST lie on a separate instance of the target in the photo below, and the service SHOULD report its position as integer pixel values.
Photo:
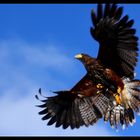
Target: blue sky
(37, 47)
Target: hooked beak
(78, 56)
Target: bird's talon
(99, 86)
(98, 92)
(119, 90)
(118, 100)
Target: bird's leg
(119, 90)
(117, 95)
(99, 87)
(118, 99)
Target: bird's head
(82, 57)
(85, 59)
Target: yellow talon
(118, 100)
(119, 90)
(98, 92)
(99, 86)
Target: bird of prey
(109, 89)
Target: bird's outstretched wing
(72, 108)
(77, 107)
(116, 37)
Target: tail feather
(131, 115)
(112, 118)
(122, 117)
(107, 114)
(117, 116)
(126, 118)
(130, 101)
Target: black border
(65, 1)
(70, 2)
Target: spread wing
(67, 108)
(118, 44)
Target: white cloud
(19, 116)
(39, 54)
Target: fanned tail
(124, 113)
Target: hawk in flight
(109, 89)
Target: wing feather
(115, 36)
